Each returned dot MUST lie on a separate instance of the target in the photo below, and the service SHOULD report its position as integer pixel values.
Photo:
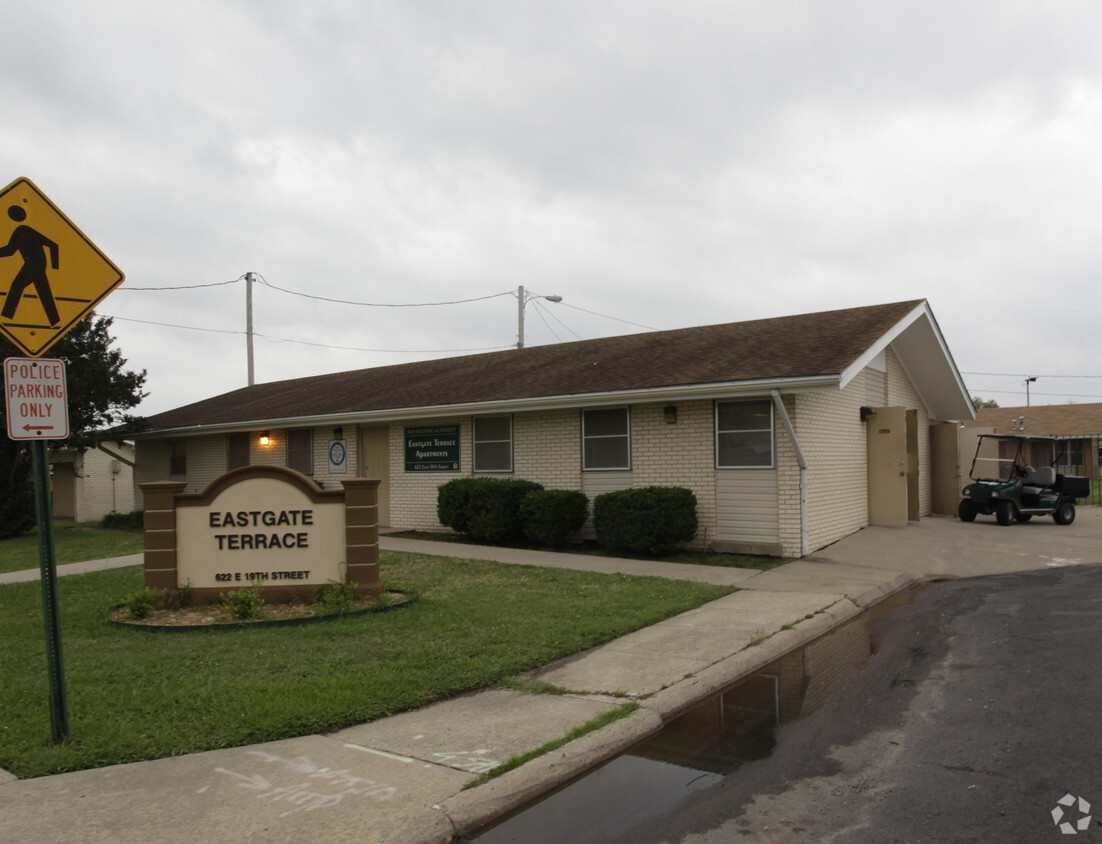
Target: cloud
(655, 164)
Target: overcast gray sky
(658, 165)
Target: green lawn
(136, 695)
(72, 544)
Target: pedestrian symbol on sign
(32, 247)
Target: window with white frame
(744, 434)
(493, 444)
(300, 450)
(606, 439)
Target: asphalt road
(979, 712)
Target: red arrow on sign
(38, 427)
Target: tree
(100, 392)
(978, 402)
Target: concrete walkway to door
(939, 547)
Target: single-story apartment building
(792, 432)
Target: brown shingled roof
(820, 344)
(1046, 419)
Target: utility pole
(522, 300)
(1028, 381)
(520, 317)
(249, 325)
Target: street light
(522, 300)
(1028, 381)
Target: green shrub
(122, 521)
(648, 520)
(141, 604)
(486, 509)
(453, 503)
(341, 597)
(552, 516)
(494, 509)
(245, 603)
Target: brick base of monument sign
(266, 523)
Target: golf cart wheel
(1005, 513)
(1024, 517)
(967, 510)
(1064, 514)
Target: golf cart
(1006, 484)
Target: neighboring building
(1077, 425)
(87, 485)
(792, 432)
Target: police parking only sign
(35, 399)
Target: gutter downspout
(802, 461)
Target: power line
(186, 286)
(267, 283)
(1019, 375)
(355, 349)
(302, 342)
(545, 313)
(614, 319)
(1066, 395)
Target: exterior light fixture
(670, 412)
(265, 439)
(866, 412)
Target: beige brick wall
(206, 460)
(413, 494)
(208, 457)
(547, 447)
(99, 488)
(678, 454)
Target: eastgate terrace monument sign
(262, 522)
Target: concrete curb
(470, 810)
(884, 590)
(676, 699)
(473, 809)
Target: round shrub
(486, 509)
(493, 509)
(648, 520)
(453, 503)
(552, 516)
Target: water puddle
(700, 747)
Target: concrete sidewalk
(402, 779)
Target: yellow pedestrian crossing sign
(51, 275)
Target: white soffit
(918, 343)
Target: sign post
(55, 670)
(37, 408)
(55, 280)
